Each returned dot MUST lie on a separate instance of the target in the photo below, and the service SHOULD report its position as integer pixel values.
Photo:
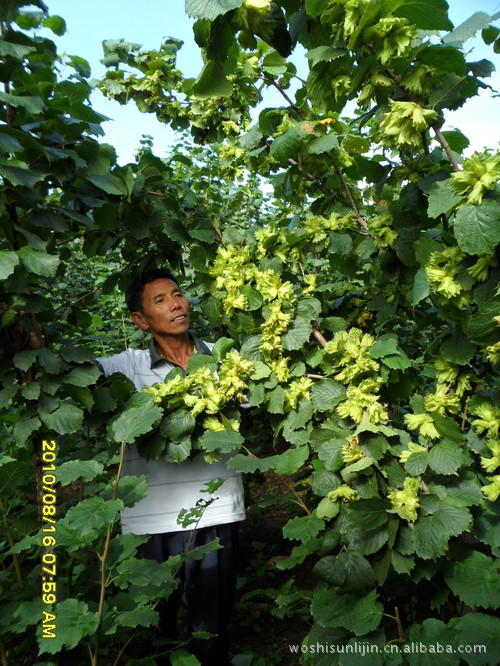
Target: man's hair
(133, 295)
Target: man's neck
(175, 348)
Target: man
(157, 305)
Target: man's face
(165, 309)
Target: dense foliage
(357, 310)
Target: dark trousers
(209, 583)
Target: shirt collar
(199, 348)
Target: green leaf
(222, 347)
(291, 460)
(367, 514)
(109, 184)
(482, 328)
(254, 297)
(277, 401)
(479, 629)
(17, 51)
(323, 54)
(92, 514)
(323, 144)
(178, 425)
(8, 262)
(24, 428)
(64, 420)
(349, 571)
(298, 335)
(358, 613)
(457, 349)
(134, 421)
(417, 463)
(477, 228)
(299, 417)
(448, 428)
(177, 452)
(426, 14)
(442, 198)
(475, 580)
(468, 28)
(259, 371)
(32, 104)
(288, 145)
(327, 394)
(212, 82)
(131, 489)
(183, 657)
(38, 262)
(432, 533)
(82, 376)
(445, 458)
(210, 9)
(224, 441)
(25, 359)
(56, 24)
(74, 622)
(433, 633)
(71, 470)
(303, 527)
(330, 453)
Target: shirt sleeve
(116, 363)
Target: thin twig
(358, 217)
(317, 334)
(446, 148)
(11, 544)
(105, 556)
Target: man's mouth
(179, 317)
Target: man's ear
(138, 320)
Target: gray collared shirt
(172, 486)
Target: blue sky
(147, 23)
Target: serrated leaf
(303, 527)
(92, 514)
(367, 514)
(327, 394)
(291, 460)
(479, 629)
(323, 144)
(457, 349)
(421, 287)
(38, 262)
(357, 613)
(222, 347)
(109, 184)
(475, 580)
(178, 425)
(433, 632)
(482, 328)
(288, 145)
(277, 401)
(133, 422)
(8, 262)
(64, 420)
(468, 28)
(426, 14)
(82, 376)
(74, 622)
(330, 453)
(349, 570)
(212, 82)
(24, 428)
(432, 533)
(210, 9)
(297, 335)
(442, 198)
(131, 489)
(224, 441)
(445, 458)
(31, 103)
(71, 470)
(477, 228)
